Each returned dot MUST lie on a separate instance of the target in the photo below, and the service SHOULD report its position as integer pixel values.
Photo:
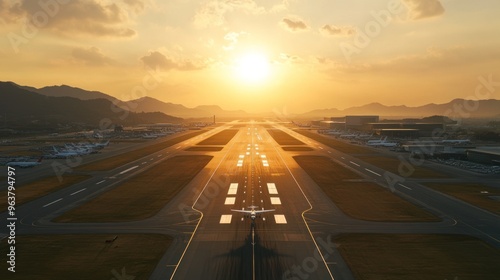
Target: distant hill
(20, 107)
(148, 104)
(68, 91)
(457, 108)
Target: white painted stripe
(271, 187)
(266, 164)
(373, 172)
(52, 202)
(263, 156)
(225, 219)
(329, 152)
(242, 156)
(405, 186)
(354, 163)
(100, 182)
(230, 201)
(127, 170)
(78, 191)
(275, 201)
(321, 147)
(342, 157)
(233, 189)
(248, 153)
(280, 219)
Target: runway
(293, 242)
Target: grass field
(284, 138)
(471, 193)
(221, 138)
(297, 149)
(62, 257)
(141, 196)
(337, 144)
(39, 188)
(419, 257)
(360, 200)
(119, 160)
(402, 168)
(204, 149)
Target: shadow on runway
(238, 262)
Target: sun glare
(252, 68)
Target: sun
(252, 68)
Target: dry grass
(337, 144)
(119, 160)
(360, 200)
(417, 257)
(85, 256)
(204, 149)
(471, 193)
(284, 138)
(221, 138)
(297, 149)
(141, 196)
(403, 168)
(39, 188)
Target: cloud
(232, 39)
(434, 59)
(293, 24)
(210, 14)
(332, 30)
(157, 60)
(91, 56)
(420, 9)
(75, 17)
(137, 5)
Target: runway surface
(293, 242)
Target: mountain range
(20, 107)
(457, 108)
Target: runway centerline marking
(353, 163)
(52, 202)
(78, 191)
(127, 170)
(100, 182)
(405, 186)
(373, 172)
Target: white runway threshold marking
(265, 163)
(271, 187)
(78, 191)
(373, 172)
(225, 219)
(233, 189)
(52, 202)
(275, 201)
(130, 169)
(230, 201)
(280, 219)
(242, 156)
(240, 163)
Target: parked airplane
(149, 136)
(456, 141)
(252, 213)
(24, 164)
(63, 154)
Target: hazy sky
(257, 55)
